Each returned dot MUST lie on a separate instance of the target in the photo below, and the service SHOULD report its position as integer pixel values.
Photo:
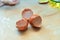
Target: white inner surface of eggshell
(37, 21)
(22, 23)
(27, 14)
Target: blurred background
(50, 29)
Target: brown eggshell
(27, 13)
(22, 24)
(35, 21)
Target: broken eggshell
(35, 21)
(27, 13)
(22, 24)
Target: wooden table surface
(50, 29)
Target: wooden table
(50, 29)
